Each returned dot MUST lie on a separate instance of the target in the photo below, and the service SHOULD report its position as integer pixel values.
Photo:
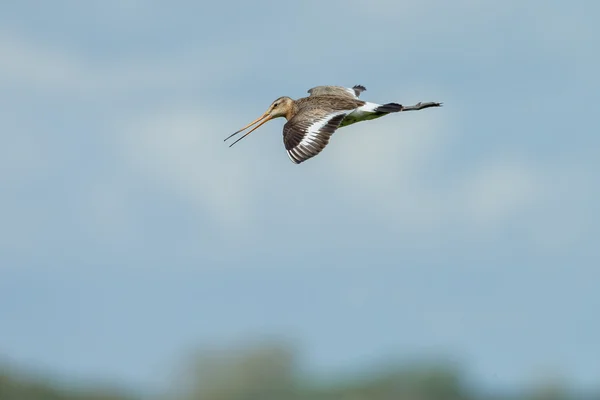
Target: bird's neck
(292, 110)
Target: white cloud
(177, 150)
(563, 33)
(22, 156)
(387, 166)
(384, 151)
(39, 65)
(105, 210)
(24, 162)
(566, 216)
(499, 190)
(35, 65)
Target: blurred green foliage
(270, 371)
(19, 387)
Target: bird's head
(282, 107)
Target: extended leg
(420, 106)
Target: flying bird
(312, 120)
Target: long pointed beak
(262, 119)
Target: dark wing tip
(389, 108)
(358, 89)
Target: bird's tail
(389, 108)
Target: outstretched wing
(308, 132)
(353, 92)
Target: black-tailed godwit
(312, 120)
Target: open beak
(262, 119)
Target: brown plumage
(312, 120)
(330, 109)
(337, 90)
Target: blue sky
(131, 233)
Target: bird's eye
(275, 105)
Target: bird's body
(312, 120)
